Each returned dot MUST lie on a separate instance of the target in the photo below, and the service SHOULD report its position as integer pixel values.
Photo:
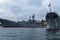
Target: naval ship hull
(53, 21)
(5, 23)
(8, 23)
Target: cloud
(35, 2)
(23, 9)
(3, 1)
(20, 9)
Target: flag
(49, 5)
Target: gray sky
(23, 9)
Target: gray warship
(53, 19)
(31, 23)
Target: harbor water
(28, 34)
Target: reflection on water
(28, 34)
(53, 35)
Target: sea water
(28, 34)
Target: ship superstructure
(53, 20)
(29, 24)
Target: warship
(53, 20)
(31, 23)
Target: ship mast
(33, 17)
(50, 9)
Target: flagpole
(50, 6)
